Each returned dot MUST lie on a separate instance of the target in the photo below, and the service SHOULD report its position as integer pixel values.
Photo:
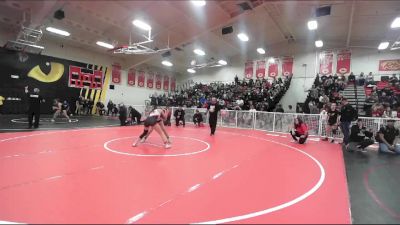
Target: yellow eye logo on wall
(56, 72)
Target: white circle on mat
(157, 155)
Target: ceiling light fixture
(167, 63)
(261, 51)
(319, 43)
(199, 2)
(199, 52)
(105, 45)
(222, 62)
(383, 45)
(142, 25)
(243, 37)
(58, 31)
(395, 23)
(312, 25)
(191, 70)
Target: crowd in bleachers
(382, 97)
(246, 94)
(325, 90)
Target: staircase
(356, 97)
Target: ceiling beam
(350, 24)
(219, 25)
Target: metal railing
(279, 122)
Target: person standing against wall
(213, 108)
(34, 106)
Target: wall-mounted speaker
(323, 11)
(59, 14)
(227, 30)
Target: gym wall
(49, 74)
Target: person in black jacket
(213, 109)
(34, 106)
(179, 115)
(123, 113)
(197, 118)
(134, 115)
(347, 114)
(360, 137)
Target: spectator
(279, 109)
(370, 78)
(198, 119)
(352, 77)
(123, 114)
(386, 136)
(134, 115)
(100, 108)
(333, 118)
(387, 113)
(78, 106)
(347, 114)
(361, 79)
(110, 106)
(290, 109)
(167, 122)
(299, 130)
(393, 79)
(179, 115)
(360, 137)
(90, 105)
(114, 110)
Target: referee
(213, 108)
(34, 106)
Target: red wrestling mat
(236, 176)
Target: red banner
(150, 79)
(343, 62)
(248, 69)
(389, 65)
(273, 69)
(116, 73)
(141, 79)
(173, 83)
(166, 83)
(260, 71)
(158, 81)
(325, 63)
(131, 77)
(287, 66)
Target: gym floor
(87, 172)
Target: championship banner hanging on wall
(389, 65)
(141, 79)
(150, 79)
(325, 63)
(287, 66)
(260, 71)
(158, 81)
(248, 70)
(273, 69)
(116, 73)
(166, 83)
(343, 62)
(131, 77)
(173, 83)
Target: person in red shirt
(299, 131)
